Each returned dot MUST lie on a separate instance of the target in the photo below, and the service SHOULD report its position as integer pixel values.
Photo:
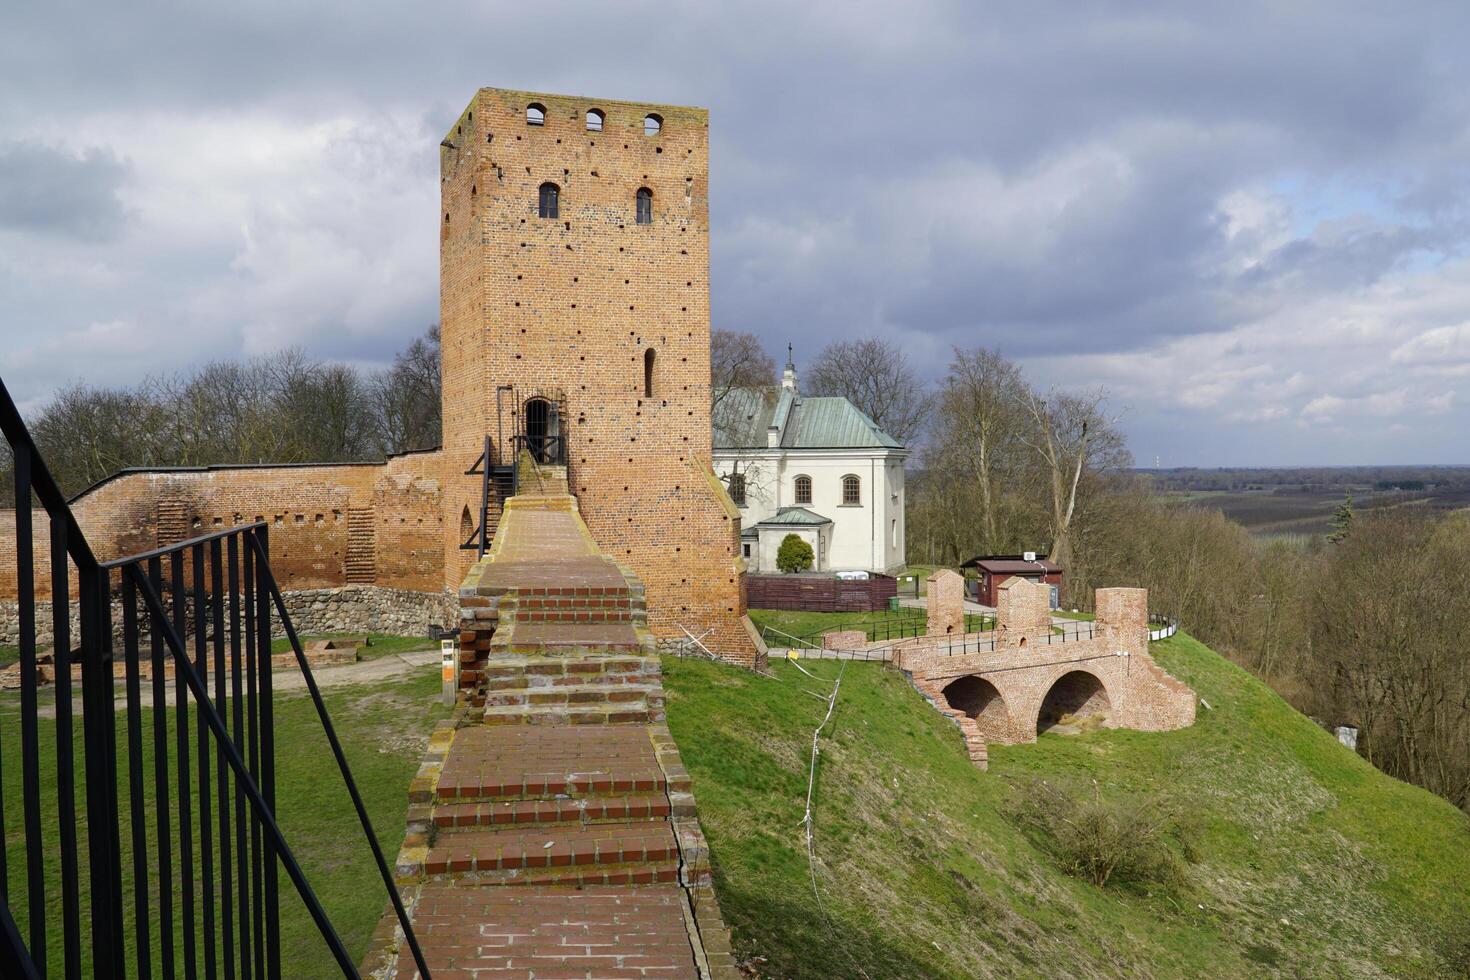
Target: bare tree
(1073, 436)
(737, 360)
(982, 412)
(875, 376)
(408, 397)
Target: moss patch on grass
(1304, 859)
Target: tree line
(1365, 626)
(286, 407)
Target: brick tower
(574, 298)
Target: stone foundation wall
(346, 609)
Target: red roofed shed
(993, 570)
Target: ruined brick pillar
(1022, 608)
(946, 603)
(1122, 617)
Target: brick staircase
(552, 830)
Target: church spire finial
(790, 358)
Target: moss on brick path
(924, 876)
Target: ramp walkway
(553, 830)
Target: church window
(737, 489)
(852, 492)
(803, 489)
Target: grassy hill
(1298, 858)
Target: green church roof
(795, 517)
(745, 414)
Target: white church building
(814, 467)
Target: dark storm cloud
(54, 192)
(1090, 187)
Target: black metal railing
(544, 450)
(176, 869)
(889, 626)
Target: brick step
(569, 639)
(555, 715)
(611, 695)
(563, 846)
(504, 673)
(460, 817)
(574, 615)
(608, 599)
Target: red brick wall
(387, 516)
(569, 306)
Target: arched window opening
(852, 491)
(737, 489)
(1076, 702)
(466, 526)
(653, 124)
(550, 201)
(594, 120)
(645, 206)
(535, 114)
(803, 489)
(543, 440)
(648, 358)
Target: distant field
(1291, 511)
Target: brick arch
(980, 700)
(1077, 692)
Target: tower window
(550, 203)
(737, 489)
(852, 490)
(645, 206)
(648, 359)
(535, 114)
(803, 489)
(653, 124)
(594, 120)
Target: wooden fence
(820, 593)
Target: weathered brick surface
(997, 691)
(567, 309)
(946, 603)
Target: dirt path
(371, 671)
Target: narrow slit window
(550, 201)
(645, 206)
(649, 356)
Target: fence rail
(177, 870)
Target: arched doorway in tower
(1076, 702)
(542, 431)
(979, 699)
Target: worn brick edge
(381, 959)
(708, 934)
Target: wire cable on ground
(808, 821)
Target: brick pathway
(552, 831)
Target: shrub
(1127, 840)
(794, 555)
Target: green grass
(384, 729)
(1309, 861)
(910, 621)
(380, 644)
(8, 654)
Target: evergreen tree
(1341, 520)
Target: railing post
(96, 711)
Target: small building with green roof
(817, 467)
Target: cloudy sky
(1248, 221)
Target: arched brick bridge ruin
(1007, 684)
